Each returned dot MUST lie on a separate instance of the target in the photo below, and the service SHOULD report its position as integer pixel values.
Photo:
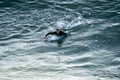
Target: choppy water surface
(90, 52)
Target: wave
(90, 52)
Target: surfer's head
(57, 31)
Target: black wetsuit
(61, 33)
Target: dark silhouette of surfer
(58, 32)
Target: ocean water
(90, 52)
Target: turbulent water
(91, 50)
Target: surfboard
(54, 38)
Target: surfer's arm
(50, 33)
(63, 33)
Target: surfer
(58, 32)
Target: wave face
(90, 52)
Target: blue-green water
(90, 52)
